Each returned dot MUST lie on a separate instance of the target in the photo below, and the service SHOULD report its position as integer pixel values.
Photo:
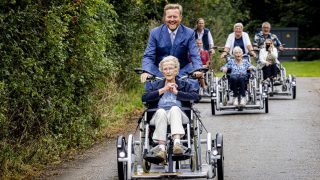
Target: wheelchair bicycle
(135, 160)
(256, 93)
(209, 78)
(281, 85)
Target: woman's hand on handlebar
(224, 69)
(223, 55)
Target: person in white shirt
(238, 38)
(268, 57)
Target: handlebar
(149, 78)
(191, 75)
(257, 49)
(153, 77)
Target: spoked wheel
(266, 105)
(121, 152)
(213, 108)
(220, 162)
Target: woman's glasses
(168, 69)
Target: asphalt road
(281, 145)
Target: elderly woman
(238, 76)
(238, 38)
(268, 57)
(169, 95)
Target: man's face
(200, 24)
(172, 18)
(199, 44)
(266, 30)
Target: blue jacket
(186, 93)
(159, 46)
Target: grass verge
(303, 68)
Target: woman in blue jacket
(169, 95)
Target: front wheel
(294, 92)
(266, 105)
(146, 166)
(220, 162)
(121, 152)
(213, 109)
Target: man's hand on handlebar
(198, 74)
(281, 48)
(144, 77)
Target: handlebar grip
(139, 70)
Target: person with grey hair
(264, 34)
(171, 38)
(238, 38)
(238, 75)
(169, 95)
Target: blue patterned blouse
(237, 69)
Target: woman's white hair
(170, 59)
(238, 25)
(237, 49)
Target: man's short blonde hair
(169, 59)
(172, 6)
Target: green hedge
(53, 56)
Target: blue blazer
(159, 46)
(186, 93)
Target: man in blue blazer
(171, 38)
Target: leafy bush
(53, 56)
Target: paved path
(283, 144)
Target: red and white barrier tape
(303, 49)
